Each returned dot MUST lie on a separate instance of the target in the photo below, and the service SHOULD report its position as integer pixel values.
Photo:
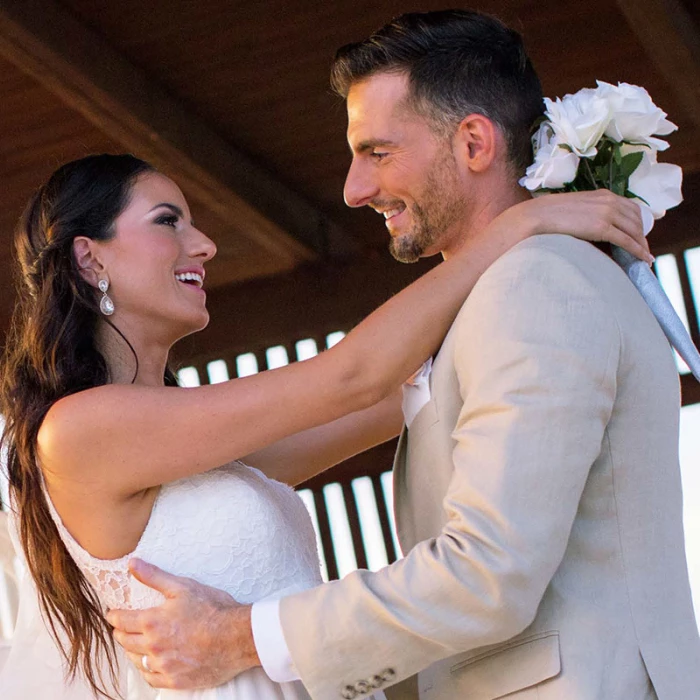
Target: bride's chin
(200, 324)
(181, 328)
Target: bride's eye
(167, 220)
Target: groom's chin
(405, 249)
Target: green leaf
(619, 185)
(632, 195)
(630, 163)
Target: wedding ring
(144, 663)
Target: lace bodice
(232, 528)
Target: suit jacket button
(388, 674)
(362, 687)
(376, 681)
(348, 693)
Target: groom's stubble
(439, 210)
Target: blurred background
(231, 99)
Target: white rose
(634, 116)
(658, 184)
(647, 216)
(579, 120)
(542, 137)
(553, 168)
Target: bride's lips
(194, 288)
(192, 277)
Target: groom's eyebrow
(369, 144)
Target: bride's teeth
(190, 277)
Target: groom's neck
(483, 212)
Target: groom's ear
(477, 142)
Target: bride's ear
(88, 260)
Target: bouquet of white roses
(607, 137)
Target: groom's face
(402, 169)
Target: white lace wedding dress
(232, 528)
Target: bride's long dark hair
(50, 353)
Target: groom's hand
(200, 637)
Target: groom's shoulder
(550, 269)
(553, 272)
(550, 259)
(559, 248)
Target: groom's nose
(360, 184)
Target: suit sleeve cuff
(270, 643)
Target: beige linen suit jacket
(538, 502)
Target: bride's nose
(201, 246)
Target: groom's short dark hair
(458, 62)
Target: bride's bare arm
(125, 438)
(306, 454)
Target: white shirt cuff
(270, 643)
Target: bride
(108, 458)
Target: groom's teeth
(392, 212)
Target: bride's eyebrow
(173, 208)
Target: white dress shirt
(265, 617)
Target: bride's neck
(121, 357)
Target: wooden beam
(86, 73)
(672, 39)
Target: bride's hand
(598, 215)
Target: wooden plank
(71, 61)
(671, 37)
(384, 521)
(690, 390)
(324, 527)
(353, 512)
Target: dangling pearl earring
(106, 304)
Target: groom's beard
(443, 206)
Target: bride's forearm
(300, 457)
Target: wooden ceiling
(231, 99)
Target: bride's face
(155, 263)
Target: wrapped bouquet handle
(651, 291)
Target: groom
(537, 486)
